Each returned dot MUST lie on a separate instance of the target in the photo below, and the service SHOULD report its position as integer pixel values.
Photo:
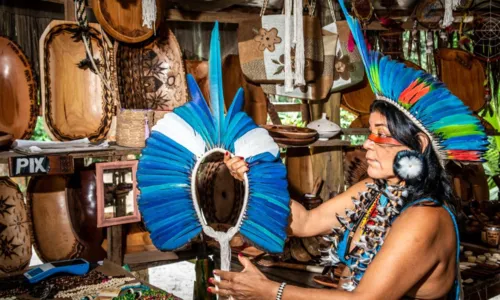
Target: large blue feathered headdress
(180, 142)
(453, 130)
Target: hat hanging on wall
(182, 141)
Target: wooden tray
(123, 19)
(152, 76)
(18, 105)
(292, 132)
(75, 102)
(463, 74)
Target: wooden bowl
(295, 142)
(291, 132)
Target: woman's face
(381, 149)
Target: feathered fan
(178, 145)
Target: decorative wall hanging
(53, 234)
(123, 19)
(18, 104)
(348, 70)
(194, 134)
(70, 91)
(233, 79)
(151, 76)
(320, 88)
(463, 74)
(15, 237)
(117, 193)
(262, 42)
(429, 13)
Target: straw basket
(133, 127)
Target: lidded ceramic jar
(325, 128)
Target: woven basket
(159, 114)
(133, 127)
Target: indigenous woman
(396, 232)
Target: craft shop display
(463, 74)
(53, 234)
(151, 75)
(18, 88)
(123, 20)
(266, 51)
(192, 134)
(71, 91)
(15, 237)
(255, 99)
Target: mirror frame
(100, 168)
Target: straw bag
(261, 47)
(133, 127)
(349, 69)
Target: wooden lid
(18, 105)
(123, 19)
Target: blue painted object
(72, 266)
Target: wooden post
(328, 161)
(115, 244)
(69, 10)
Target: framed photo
(117, 193)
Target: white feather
(180, 131)
(410, 167)
(255, 142)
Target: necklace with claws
(374, 212)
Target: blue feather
(215, 79)
(236, 106)
(261, 240)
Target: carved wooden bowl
(18, 105)
(75, 101)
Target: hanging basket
(133, 127)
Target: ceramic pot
(325, 128)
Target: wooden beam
(233, 16)
(287, 107)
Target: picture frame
(117, 193)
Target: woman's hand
(236, 165)
(248, 284)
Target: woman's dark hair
(436, 182)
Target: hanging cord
(81, 16)
(298, 40)
(149, 11)
(331, 7)
(264, 7)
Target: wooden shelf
(329, 143)
(111, 151)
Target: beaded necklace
(374, 211)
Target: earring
(409, 165)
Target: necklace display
(374, 212)
(89, 291)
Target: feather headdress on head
(454, 132)
(177, 146)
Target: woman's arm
(410, 252)
(322, 219)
